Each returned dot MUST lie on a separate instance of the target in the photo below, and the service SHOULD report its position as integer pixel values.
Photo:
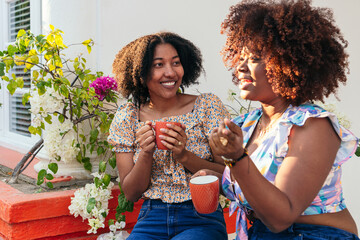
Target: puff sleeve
(213, 112)
(298, 116)
(122, 129)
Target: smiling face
(252, 79)
(166, 72)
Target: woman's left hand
(174, 139)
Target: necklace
(263, 131)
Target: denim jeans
(158, 220)
(300, 231)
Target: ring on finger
(223, 141)
(179, 143)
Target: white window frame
(10, 139)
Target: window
(15, 118)
(19, 115)
(19, 17)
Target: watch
(231, 162)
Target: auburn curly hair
(303, 49)
(133, 63)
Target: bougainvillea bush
(72, 109)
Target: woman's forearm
(138, 180)
(194, 163)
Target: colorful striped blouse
(269, 156)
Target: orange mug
(158, 126)
(205, 193)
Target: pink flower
(103, 85)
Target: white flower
(60, 145)
(95, 224)
(224, 202)
(116, 226)
(79, 202)
(47, 103)
(36, 121)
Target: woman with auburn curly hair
(284, 159)
(151, 70)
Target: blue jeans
(300, 231)
(158, 220)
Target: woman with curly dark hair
(284, 159)
(150, 71)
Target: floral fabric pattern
(169, 179)
(269, 156)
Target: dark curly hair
(303, 49)
(133, 63)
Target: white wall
(114, 23)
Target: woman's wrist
(230, 162)
(147, 156)
(181, 158)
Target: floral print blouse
(269, 156)
(169, 179)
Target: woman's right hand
(227, 140)
(145, 137)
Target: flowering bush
(75, 107)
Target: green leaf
(102, 166)
(49, 176)
(48, 119)
(106, 180)
(41, 175)
(129, 206)
(104, 214)
(88, 166)
(35, 74)
(122, 203)
(97, 182)
(32, 130)
(39, 38)
(112, 162)
(357, 153)
(93, 135)
(64, 91)
(12, 86)
(50, 185)
(25, 98)
(111, 222)
(65, 81)
(12, 50)
(2, 67)
(119, 217)
(19, 82)
(61, 118)
(100, 150)
(53, 167)
(90, 205)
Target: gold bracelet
(231, 162)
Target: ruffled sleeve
(299, 115)
(122, 129)
(212, 111)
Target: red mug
(205, 193)
(158, 126)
